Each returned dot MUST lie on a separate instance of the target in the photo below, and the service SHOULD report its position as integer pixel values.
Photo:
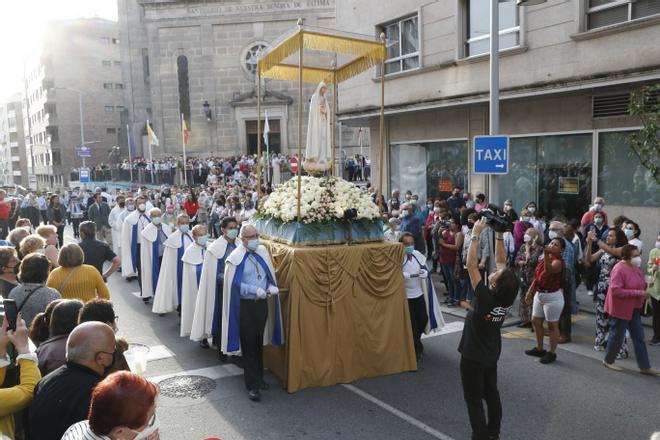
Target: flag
(131, 143)
(184, 128)
(153, 140)
(266, 130)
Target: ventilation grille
(611, 105)
(652, 99)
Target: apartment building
(13, 164)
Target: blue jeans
(464, 288)
(448, 273)
(617, 334)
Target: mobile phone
(11, 312)
(414, 275)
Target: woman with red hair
(123, 406)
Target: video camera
(495, 218)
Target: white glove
(423, 274)
(261, 293)
(406, 275)
(273, 290)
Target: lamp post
(494, 105)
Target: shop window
(601, 13)
(477, 21)
(632, 184)
(402, 45)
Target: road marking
(452, 327)
(213, 373)
(158, 352)
(400, 414)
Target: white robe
(319, 128)
(206, 304)
(274, 311)
(148, 236)
(115, 221)
(192, 257)
(167, 291)
(435, 320)
(127, 263)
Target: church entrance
(274, 138)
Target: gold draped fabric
(345, 314)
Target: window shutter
(606, 106)
(644, 8)
(608, 17)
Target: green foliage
(645, 104)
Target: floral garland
(322, 200)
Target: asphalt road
(574, 398)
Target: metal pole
(130, 153)
(151, 157)
(382, 127)
(259, 158)
(82, 127)
(300, 111)
(494, 113)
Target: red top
(626, 291)
(588, 217)
(549, 282)
(190, 207)
(447, 256)
(5, 209)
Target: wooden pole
(300, 112)
(381, 195)
(258, 131)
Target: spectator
(32, 296)
(191, 206)
(5, 212)
(588, 217)
(653, 269)
(15, 237)
(123, 405)
(591, 270)
(76, 213)
(39, 330)
(56, 214)
(73, 279)
(411, 223)
(64, 318)
(456, 202)
(393, 233)
(624, 301)
(8, 268)
(99, 213)
(480, 202)
(632, 231)
(97, 252)
(63, 397)
(450, 244)
(31, 244)
(535, 217)
(16, 398)
(101, 310)
(24, 223)
(526, 261)
(49, 234)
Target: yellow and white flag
(153, 140)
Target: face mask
(155, 221)
(525, 219)
(552, 235)
(657, 244)
(148, 431)
(527, 238)
(253, 244)
(184, 228)
(629, 233)
(429, 206)
(436, 210)
(410, 250)
(202, 240)
(531, 209)
(598, 206)
(598, 221)
(470, 225)
(457, 194)
(130, 207)
(232, 234)
(636, 261)
(142, 207)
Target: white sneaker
(590, 292)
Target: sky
(20, 22)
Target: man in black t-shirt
(481, 342)
(97, 252)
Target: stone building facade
(567, 70)
(197, 59)
(13, 163)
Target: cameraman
(481, 342)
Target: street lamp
(494, 107)
(207, 111)
(82, 127)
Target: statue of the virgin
(318, 154)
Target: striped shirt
(82, 431)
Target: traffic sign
(490, 155)
(82, 151)
(293, 165)
(84, 175)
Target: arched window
(184, 88)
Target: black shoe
(535, 352)
(548, 358)
(238, 361)
(146, 300)
(263, 385)
(254, 395)
(525, 325)
(178, 310)
(654, 341)
(222, 357)
(204, 343)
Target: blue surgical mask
(202, 240)
(184, 228)
(629, 233)
(598, 206)
(130, 207)
(253, 244)
(410, 250)
(532, 209)
(155, 221)
(232, 234)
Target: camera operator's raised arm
(472, 257)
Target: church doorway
(274, 138)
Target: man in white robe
(170, 281)
(251, 315)
(208, 308)
(114, 219)
(153, 237)
(193, 259)
(131, 229)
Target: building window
(111, 130)
(402, 45)
(631, 185)
(120, 108)
(107, 85)
(602, 13)
(145, 64)
(117, 63)
(109, 109)
(106, 63)
(251, 57)
(115, 41)
(119, 86)
(106, 40)
(184, 88)
(477, 16)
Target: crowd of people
(196, 255)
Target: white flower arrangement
(322, 200)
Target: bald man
(62, 398)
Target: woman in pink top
(625, 298)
